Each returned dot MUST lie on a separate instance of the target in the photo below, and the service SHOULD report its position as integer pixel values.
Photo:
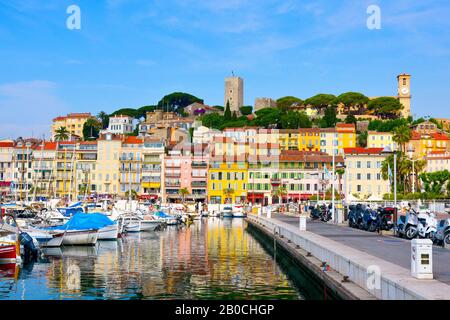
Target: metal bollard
(302, 223)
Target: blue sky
(130, 53)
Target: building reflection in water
(210, 259)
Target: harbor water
(209, 259)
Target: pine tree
(227, 113)
(235, 117)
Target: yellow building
(426, 139)
(65, 178)
(130, 165)
(381, 140)
(107, 169)
(337, 139)
(73, 122)
(307, 139)
(363, 176)
(228, 172)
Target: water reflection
(210, 259)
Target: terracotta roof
(440, 136)
(379, 133)
(132, 140)
(437, 152)
(345, 125)
(88, 142)
(73, 115)
(307, 156)
(363, 150)
(48, 145)
(79, 115)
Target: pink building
(185, 167)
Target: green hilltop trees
(288, 102)
(321, 101)
(385, 107)
(177, 101)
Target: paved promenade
(392, 249)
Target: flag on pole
(390, 173)
(326, 171)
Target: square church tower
(234, 93)
(404, 93)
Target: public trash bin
(422, 258)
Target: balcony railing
(172, 184)
(199, 165)
(198, 184)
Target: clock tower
(404, 93)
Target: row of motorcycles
(322, 212)
(365, 218)
(411, 225)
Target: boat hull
(149, 225)
(132, 227)
(109, 232)
(8, 254)
(80, 238)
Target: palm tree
(228, 193)
(62, 134)
(402, 135)
(134, 194)
(340, 173)
(183, 193)
(104, 118)
(279, 192)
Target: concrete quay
(349, 265)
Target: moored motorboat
(227, 212)
(9, 244)
(46, 238)
(110, 232)
(8, 252)
(239, 212)
(80, 237)
(150, 225)
(130, 224)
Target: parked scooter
(355, 215)
(443, 232)
(325, 213)
(407, 225)
(314, 212)
(385, 218)
(369, 220)
(427, 225)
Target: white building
(120, 125)
(202, 135)
(438, 161)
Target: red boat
(8, 253)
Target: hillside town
(173, 154)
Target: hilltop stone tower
(404, 93)
(234, 93)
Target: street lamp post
(333, 200)
(411, 153)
